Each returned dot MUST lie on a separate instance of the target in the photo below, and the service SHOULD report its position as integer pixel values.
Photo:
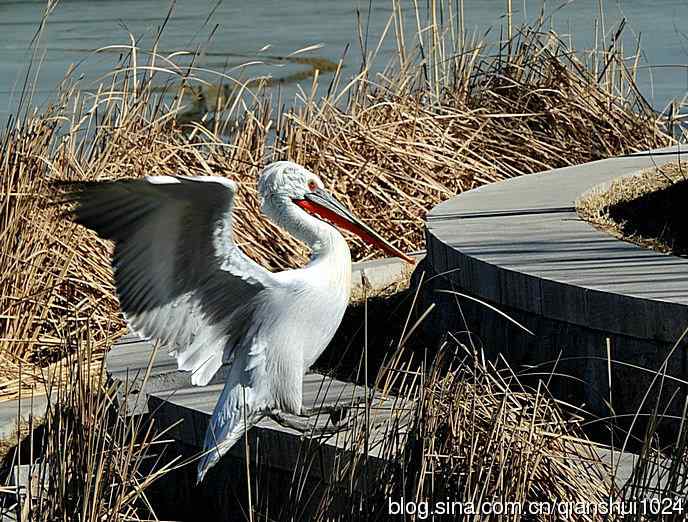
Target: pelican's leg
(300, 426)
(333, 410)
(336, 413)
(288, 422)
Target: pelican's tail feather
(235, 413)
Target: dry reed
(87, 458)
(52, 276)
(445, 116)
(645, 208)
(465, 436)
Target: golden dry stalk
(645, 208)
(390, 149)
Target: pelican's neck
(324, 240)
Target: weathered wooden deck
(598, 306)
(154, 385)
(521, 244)
(280, 455)
(171, 400)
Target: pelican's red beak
(323, 205)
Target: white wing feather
(180, 277)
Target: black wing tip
(93, 203)
(71, 196)
(70, 191)
(66, 186)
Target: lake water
(77, 27)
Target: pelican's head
(285, 183)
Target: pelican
(183, 281)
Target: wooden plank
(171, 399)
(519, 243)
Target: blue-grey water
(235, 31)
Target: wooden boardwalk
(172, 400)
(281, 456)
(520, 245)
(155, 386)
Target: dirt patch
(647, 209)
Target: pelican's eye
(312, 185)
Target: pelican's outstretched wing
(180, 277)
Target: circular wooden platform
(520, 245)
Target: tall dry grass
(468, 437)
(89, 457)
(473, 437)
(52, 276)
(446, 115)
(403, 141)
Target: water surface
(240, 30)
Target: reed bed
(482, 438)
(52, 277)
(88, 458)
(645, 209)
(403, 144)
(465, 439)
(463, 436)
(447, 114)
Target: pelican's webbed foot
(305, 428)
(336, 413)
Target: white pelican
(182, 280)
